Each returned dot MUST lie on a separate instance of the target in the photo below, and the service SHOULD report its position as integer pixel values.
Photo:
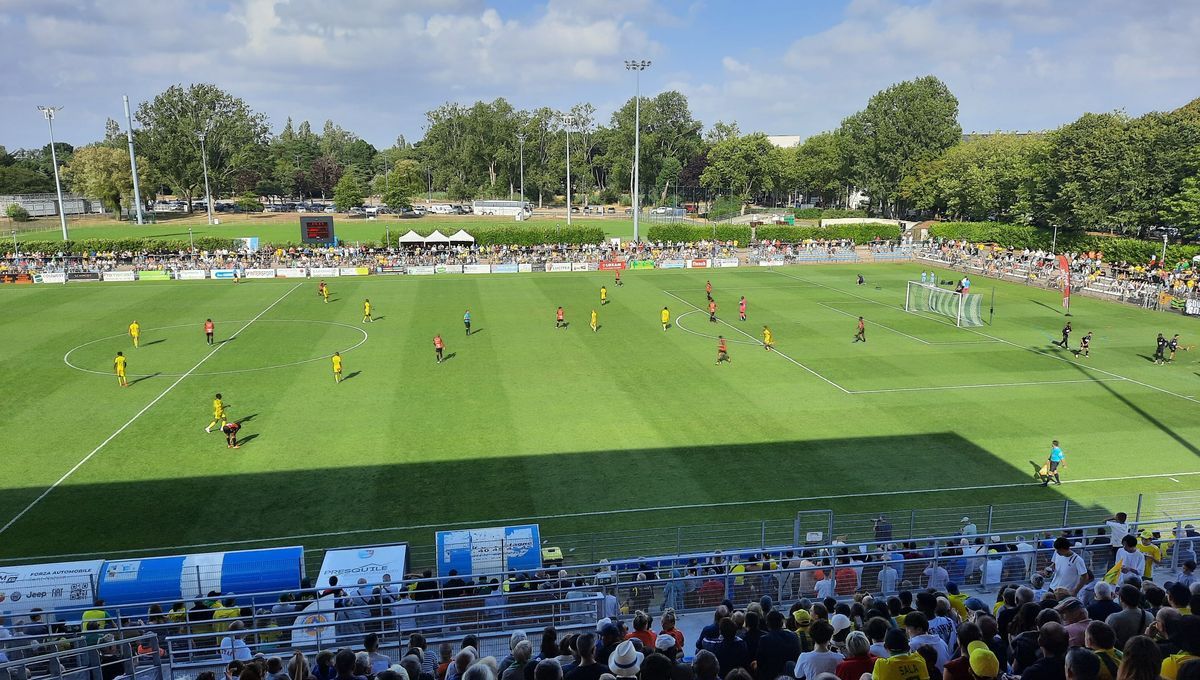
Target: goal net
(966, 310)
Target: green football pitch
(559, 426)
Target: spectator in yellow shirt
(1152, 552)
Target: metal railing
(136, 657)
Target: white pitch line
(139, 414)
(843, 389)
(830, 306)
(685, 329)
(1174, 480)
(1013, 344)
(967, 387)
(621, 511)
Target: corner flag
(1065, 268)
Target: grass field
(525, 420)
(285, 227)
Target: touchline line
(622, 511)
(140, 413)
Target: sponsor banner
(314, 626)
(154, 275)
(726, 262)
(120, 276)
(771, 263)
(583, 266)
(371, 563)
(223, 273)
(13, 277)
(83, 276)
(536, 267)
(697, 264)
(494, 550)
(397, 270)
(190, 274)
(420, 271)
(641, 264)
(53, 277)
(609, 265)
(324, 271)
(448, 269)
(505, 269)
(354, 271)
(291, 273)
(59, 585)
(558, 266)
(1192, 307)
(477, 269)
(185, 577)
(259, 273)
(526, 267)
(672, 264)
(249, 243)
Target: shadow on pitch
(247, 439)
(246, 419)
(1146, 415)
(449, 356)
(475, 331)
(144, 377)
(348, 376)
(858, 475)
(153, 342)
(1043, 304)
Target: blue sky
(799, 67)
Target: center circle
(685, 329)
(97, 352)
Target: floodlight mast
(48, 112)
(637, 66)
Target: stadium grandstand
(824, 580)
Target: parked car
(331, 208)
(458, 210)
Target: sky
(793, 67)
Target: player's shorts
(1054, 466)
(120, 374)
(438, 350)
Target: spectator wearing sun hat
(983, 661)
(626, 660)
(801, 624)
(1152, 552)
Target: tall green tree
(743, 165)
(1183, 209)
(169, 137)
(908, 123)
(103, 172)
(349, 192)
(991, 177)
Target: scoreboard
(317, 229)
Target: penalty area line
(139, 414)
(621, 511)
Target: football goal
(966, 310)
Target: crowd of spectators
(1124, 280)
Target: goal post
(966, 310)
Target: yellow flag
(1114, 573)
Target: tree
(18, 179)
(906, 124)
(103, 172)
(822, 167)
(170, 123)
(991, 177)
(721, 131)
(403, 181)
(1183, 209)
(17, 213)
(348, 192)
(740, 164)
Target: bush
(827, 213)
(1020, 237)
(17, 213)
(689, 233)
(248, 202)
(858, 233)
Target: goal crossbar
(965, 309)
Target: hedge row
(688, 233)
(827, 214)
(127, 244)
(859, 233)
(1019, 236)
(525, 236)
